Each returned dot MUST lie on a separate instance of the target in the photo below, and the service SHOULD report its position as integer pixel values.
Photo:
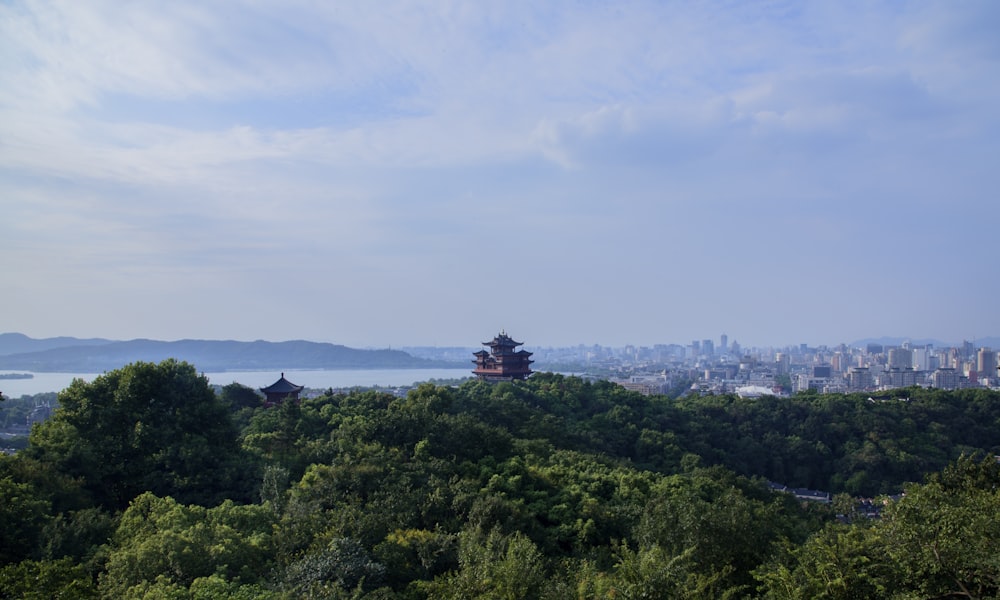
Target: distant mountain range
(67, 354)
(95, 355)
(17, 343)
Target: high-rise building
(986, 363)
(782, 363)
(901, 377)
(724, 343)
(946, 379)
(859, 379)
(824, 371)
(954, 360)
(900, 358)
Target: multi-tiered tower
(503, 362)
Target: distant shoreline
(444, 366)
(45, 382)
(17, 376)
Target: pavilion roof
(282, 386)
(503, 340)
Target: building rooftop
(282, 386)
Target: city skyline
(403, 174)
(11, 343)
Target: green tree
(81, 535)
(944, 533)
(655, 574)
(938, 541)
(31, 493)
(145, 427)
(23, 514)
(413, 554)
(493, 567)
(237, 396)
(47, 580)
(158, 538)
(841, 562)
(720, 524)
(342, 566)
(242, 401)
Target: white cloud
(191, 143)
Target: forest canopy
(145, 483)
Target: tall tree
(161, 540)
(944, 533)
(144, 427)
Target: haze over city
(396, 173)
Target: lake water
(320, 379)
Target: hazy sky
(426, 173)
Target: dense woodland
(146, 483)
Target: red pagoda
(503, 362)
(281, 390)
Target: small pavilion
(281, 390)
(503, 362)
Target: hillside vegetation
(73, 355)
(146, 484)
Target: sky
(386, 174)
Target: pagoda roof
(502, 339)
(282, 386)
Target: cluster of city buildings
(728, 368)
